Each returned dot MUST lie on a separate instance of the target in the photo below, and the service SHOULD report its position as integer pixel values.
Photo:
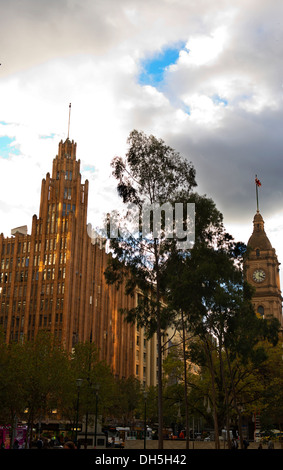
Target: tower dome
(259, 239)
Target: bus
(118, 435)
(272, 434)
(20, 435)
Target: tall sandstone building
(53, 279)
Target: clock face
(258, 275)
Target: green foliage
(96, 376)
(151, 173)
(38, 376)
(126, 399)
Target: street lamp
(145, 397)
(79, 384)
(96, 389)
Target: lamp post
(145, 397)
(96, 389)
(79, 383)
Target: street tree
(126, 396)
(97, 382)
(44, 363)
(182, 266)
(151, 175)
(215, 299)
(12, 380)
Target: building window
(260, 310)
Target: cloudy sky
(206, 76)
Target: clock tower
(262, 272)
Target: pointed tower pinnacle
(259, 239)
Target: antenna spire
(69, 120)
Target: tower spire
(69, 120)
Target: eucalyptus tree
(151, 179)
(215, 299)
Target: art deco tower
(53, 279)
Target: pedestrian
(270, 444)
(16, 444)
(39, 443)
(69, 445)
(245, 444)
(234, 444)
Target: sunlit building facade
(53, 279)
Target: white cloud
(88, 53)
(204, 49)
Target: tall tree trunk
(226, 394)
(235, 398)
(159, 348)
(214, 401)
(186, 384)
(159, 375)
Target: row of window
(52, 227)
(23, 261)
(50, 258)
(18, 322)
(21, 290)
(138, 341)
(18, 336)
(21, 276)
(7, 263)
(137, 371)
(138, 356)
(8, 248)
(20, 305)
(68, 175)
(18, 291)
(31, 334)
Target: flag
(257, 182)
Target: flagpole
(257, 183)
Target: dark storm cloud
(228, 159)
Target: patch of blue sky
(50, 136)
(154, 67)
(7, 148)
(219, 100)
(90, 168)
(186, 109)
